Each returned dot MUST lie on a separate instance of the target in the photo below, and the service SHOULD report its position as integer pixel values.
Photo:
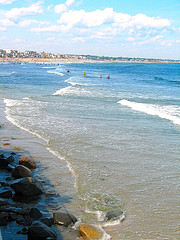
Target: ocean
(119, 139)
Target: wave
(56, 72)
(6, 74)
(50, 67)
(73, 91)
(11, 103)
(170, 112)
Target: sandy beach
(20, 143)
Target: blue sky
(127, 28)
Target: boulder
(90, 232)
(3, 218)
(35, 213)
(27, 162)
(113, 215)
(48, 221)
(3, 202)
(24, 220)
(21, 171)
(5, 194)
(40, 231)
(27, 186)
(65, 219)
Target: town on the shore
(15, 55)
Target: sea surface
(119, 137)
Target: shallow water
(119, 137)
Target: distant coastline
(33, 56)
(88, 60)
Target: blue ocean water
(119, 136)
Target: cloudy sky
(128, 28)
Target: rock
(27, 162)
(3, 202)
(35, 213)
(12, 216)
(10, 167)
(112, 215)
(21, 171)
(39, 231)
(27, 186)
(24, 231)
(24, 220)
(65, 219)
(48, 221)
(10, 159)
(5, 194)
(90, 232)
(3, 218)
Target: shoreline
(72, 60)
(22, 143)
(62, 199)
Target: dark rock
(10, 167)
(27, 162)
(8, 179)
(24, 220)
(48, 221)
(5, 194)
(3, 218)
(3, 202)
(21, 171)
(5, 161)
(27, 186)
(39, 231)
(112, 215)
(12, 216)
(10, 159)
(35, 213)
(24, 231)
(65, 219)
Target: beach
(102, 144)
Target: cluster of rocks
(18, 190)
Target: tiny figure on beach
(108, 77)
(84, 73)
(100, 76)
(67, 70)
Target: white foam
(56, 72)
(70, 91)
(10, 103)
(170, 112)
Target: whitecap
(56, 72)
(170, 112)
(72, 91)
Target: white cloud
(99, 17)
(52, 28)
(50, 39)
(2, 29)
(6, 1)
(130, 39)
(77, 39)
(27, 22)
(6, 22)
(60, 8)
(16, 13)
(69, 2)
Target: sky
(117, 28)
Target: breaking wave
(170, 112)
(73, 91)
(55, 72)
